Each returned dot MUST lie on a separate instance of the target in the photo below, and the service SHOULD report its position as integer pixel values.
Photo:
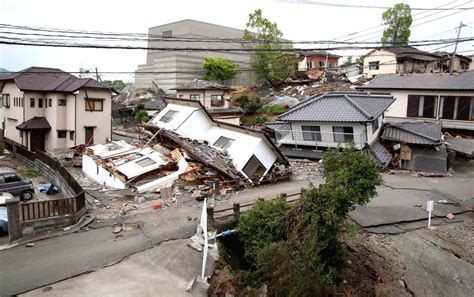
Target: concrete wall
(188, 62)
(387, 62)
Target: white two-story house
(329, 120)
(49, 109)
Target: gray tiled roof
(461, 81)
(199, 84)
(50, 79)
(339, 107)
(415, 133)
(380, 153)
(35, 123)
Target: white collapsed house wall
(135, 162)
(194, 123)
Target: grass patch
(29, 173)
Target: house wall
(387, 62)
(373, 135)
(471, 65)
(313, 62)
(99, 174)
(13, 115)
(327, 137)
(205, 97)
(172, 62)
(101, 120)
(229, 120)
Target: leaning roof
(414, 133)
(339, 107)
(199, 84)
(461, 81)
(50, 80)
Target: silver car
(11, 182)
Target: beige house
(401, 60)
(214, 97)
(447, 98)
(49, 109)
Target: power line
(366, 6)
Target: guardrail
(237, 209)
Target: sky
(296, 21)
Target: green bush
(259, 120)
(262, 225)
(249, 105)
(276, 109)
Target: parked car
(11, 182)
(3, 220)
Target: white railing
(318, 139)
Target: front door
(37, 141)
(89, 135)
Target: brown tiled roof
(35, 123)
(51, 80)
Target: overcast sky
(296, 21)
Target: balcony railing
(318, 139)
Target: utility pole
(455, 47)
(97, 75)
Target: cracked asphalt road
(55, 259)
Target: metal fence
(55, 207)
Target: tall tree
(219, 69)
(268, 63)
(399, 21)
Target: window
(71, 134)
(168, 33)
(224, 142)
(61, 102)
(32, 102)
(429, 104)
(448, 107)
(322, 64)
(11, 177)
(194, 97)
(6, 100)
(50, 102)
(181, 96)
(254, 167)
(375, 125)
(311, 133)
(464, 108)
(94, 105)
(40, 102)
(145, 162)
(421, 106)
(374, 65)
(413, 105)
(62, 133)
(168, 116)
(217, 100)
(343, 134)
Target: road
(55, 259)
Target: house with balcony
(401, 60)
(329, 120)
(444, 97)
(214, 97)
(49, 109)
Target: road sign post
(429, 208)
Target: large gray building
(172, 68)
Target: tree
(219, 69)
(117, 85)
(139, 114)
(297, 249)
(399, 21)
(264, 36)
(360, 60)
(348, 60)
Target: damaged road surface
(59, 258)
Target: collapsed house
(119, 165)
(233, 151)
(416, 146)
